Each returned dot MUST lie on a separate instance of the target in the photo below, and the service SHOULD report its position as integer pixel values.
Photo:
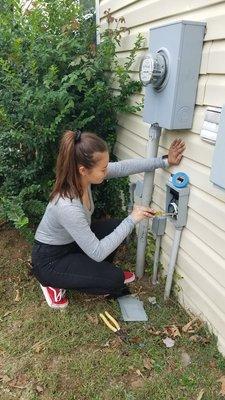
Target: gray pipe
(172, 262)
(156, 259)
(153, 144)
(130, 204)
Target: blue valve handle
(180, 180)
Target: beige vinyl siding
(201, 257)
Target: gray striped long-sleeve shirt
(65, 221)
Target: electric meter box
(171, 105)
(177, 201)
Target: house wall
(201, 258)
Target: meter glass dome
(153, 69)
(146, 69)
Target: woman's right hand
(141, 212)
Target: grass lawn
(49, 354)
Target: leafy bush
(53, 77)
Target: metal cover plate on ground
(132, 309)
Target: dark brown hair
(75, 149)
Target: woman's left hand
(176, 152)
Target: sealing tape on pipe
(180, 180)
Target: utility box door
(218, 164)
(172, 107)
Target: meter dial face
(146, 69)
(153, 69)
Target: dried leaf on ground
(185, 359)
(152, 300)
(199, 339)
(222, 381)
(212, 364)
(94, 298)
(6, 314)
(154, 332)
(19, 382)
(172, 330)
(135, 339)
(117, 342)
(137, 383)
(14, 385)
(200, 394)
(38, 347)
(189, 326)
(113, 343)
(139, 291)
(169, 342)
(93, 319)
(148, 363)
(39, 389)
(6, 379)
(139, 373)
(17, 298)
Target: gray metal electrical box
(179, 44)
(177, 200)
(218, 164)
(159, 225)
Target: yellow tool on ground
(113, 325)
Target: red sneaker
(55, 297)
(128, 276)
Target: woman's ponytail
(76, 148)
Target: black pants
(68, 267)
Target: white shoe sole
(131, 279)
(47, 298)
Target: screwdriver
(163, 214)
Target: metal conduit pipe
(153, 144)
(172, 262)
(156, 259)
(131, 204)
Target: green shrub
(53, 77)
